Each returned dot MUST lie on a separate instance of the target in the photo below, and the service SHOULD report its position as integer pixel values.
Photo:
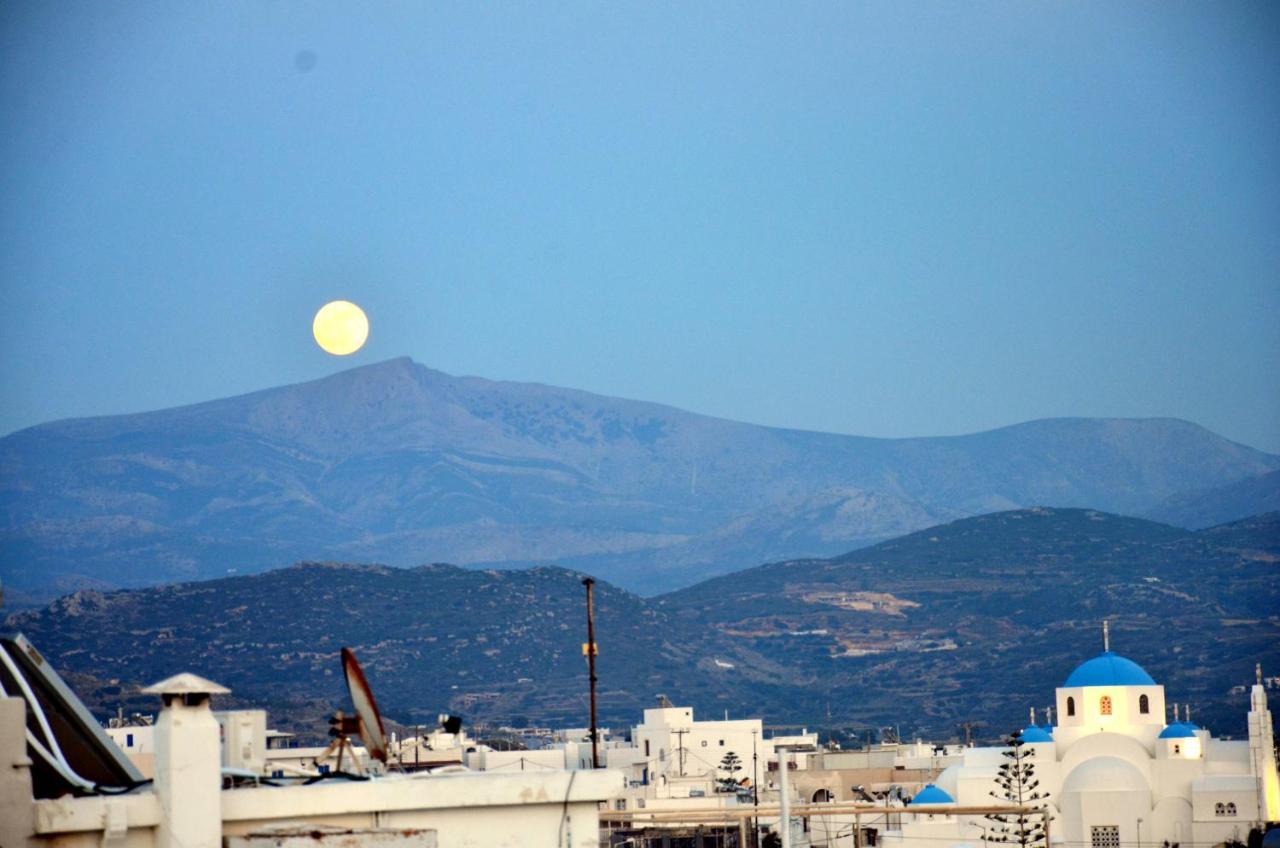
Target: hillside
(974, 620)
(1208, 507)
(400, 464)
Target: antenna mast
(1106, 635)
(590, 650)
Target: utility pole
(590, 650)
(755, 792)
(680, 744)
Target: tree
(731, 764)
(1017, 782)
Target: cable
(564, 815)
(35, 708)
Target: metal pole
(755, 792)
(591, 671)
(784, 801)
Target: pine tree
(731, 764)
(1017, 786)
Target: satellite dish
(371, 731)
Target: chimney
(188, 776)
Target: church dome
(931, 795)
(1108, 669)
(1035, 733)
(1179, 730)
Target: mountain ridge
(400, 463)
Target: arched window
(1219, 810)
(1104, 706)
(1071, 706)
(1144, 704)
(1231, 808)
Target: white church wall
(1107, 745)
(1083, 811)
(1115, 709)
(1171, 820)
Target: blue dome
(1179, 730)
(1108, 669)
(1036, 733)
(931, 795)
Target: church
(1116, 772)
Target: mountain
(1206, 507)
(400, 464)
(975, 620)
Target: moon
(340, 327)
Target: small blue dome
(1036, 733)
(1179, 730)
(931, 795)
(1108, 669)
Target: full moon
(340, 327)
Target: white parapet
(476, 810)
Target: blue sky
(885, 219)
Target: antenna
(591, 649)
(370, 721)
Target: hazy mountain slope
(1207, 507)
(401, 464)
(974, 620)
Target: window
(1144, 704)
(1105, 836)
(721, 743)
(1231, 809)
(1177, 749)
(646, 747)
(704, 743)
(1219, 809)
(1104, 705)
(621, 804)
(1071, 706)
(128, 740)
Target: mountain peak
(396, 462)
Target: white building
(1117, 773)
(669, 746)
(186, 804)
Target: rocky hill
(401, 464)
(973, 620)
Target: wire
(564, 815)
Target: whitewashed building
(1117, 772)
